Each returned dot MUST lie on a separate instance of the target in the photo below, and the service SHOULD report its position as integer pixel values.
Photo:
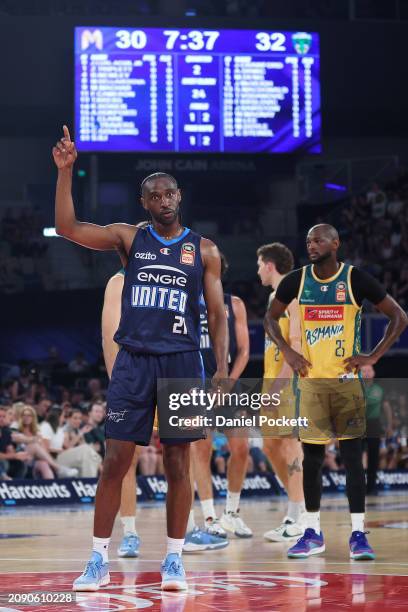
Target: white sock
(207, 506)
(101, 545)
(191, 522)
(295, 509)
(232, 501)
(313, 521)
(129, 524)
(357, 521)
(174, 546)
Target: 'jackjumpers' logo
(313, 336)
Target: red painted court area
(221, 591)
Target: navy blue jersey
(210, 365)
(161, 293)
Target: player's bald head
(324, 230)
(322, 243)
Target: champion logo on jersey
(324, 288)
(165, 251)
(187, 253)
(147, 255)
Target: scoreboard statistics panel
(197, 90)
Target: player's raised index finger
(66, 132)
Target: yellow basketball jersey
(273, 358)
(330, 321)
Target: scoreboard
(197, 90)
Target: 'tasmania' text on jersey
(161, 293)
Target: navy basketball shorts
(132, 392)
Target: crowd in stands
(50, 430)
(374, 233)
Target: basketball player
(282, 449)
(167, 267)
(201, 450)
(196, 541)
(330, 296)
(130, 544)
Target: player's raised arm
(214, 299)
(116, 236)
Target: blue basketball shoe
(129, 546)
(198, 540)
(359, 547)
(309, 544)
(173, 574)
(95, 575)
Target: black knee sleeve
(313, 457)
(352, 455)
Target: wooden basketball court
(45, 549)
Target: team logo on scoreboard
(187, 253)
(302, 41)
(91, 38)
(341, 289)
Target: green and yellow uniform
(330, 316)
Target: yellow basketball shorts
(335, 412)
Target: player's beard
(169, 219)
(321, 258)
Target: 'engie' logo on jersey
(313, 336)
(162, 275)
(324, 313)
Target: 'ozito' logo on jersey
(187, 253)
(341, 289)
(313, 336)
(151, 256)
(165, 251)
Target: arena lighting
(49, 232)
(191, 13)
(335, 187)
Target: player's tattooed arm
(271, 323)
(117, 236)
(398, 321)
(214, 299)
